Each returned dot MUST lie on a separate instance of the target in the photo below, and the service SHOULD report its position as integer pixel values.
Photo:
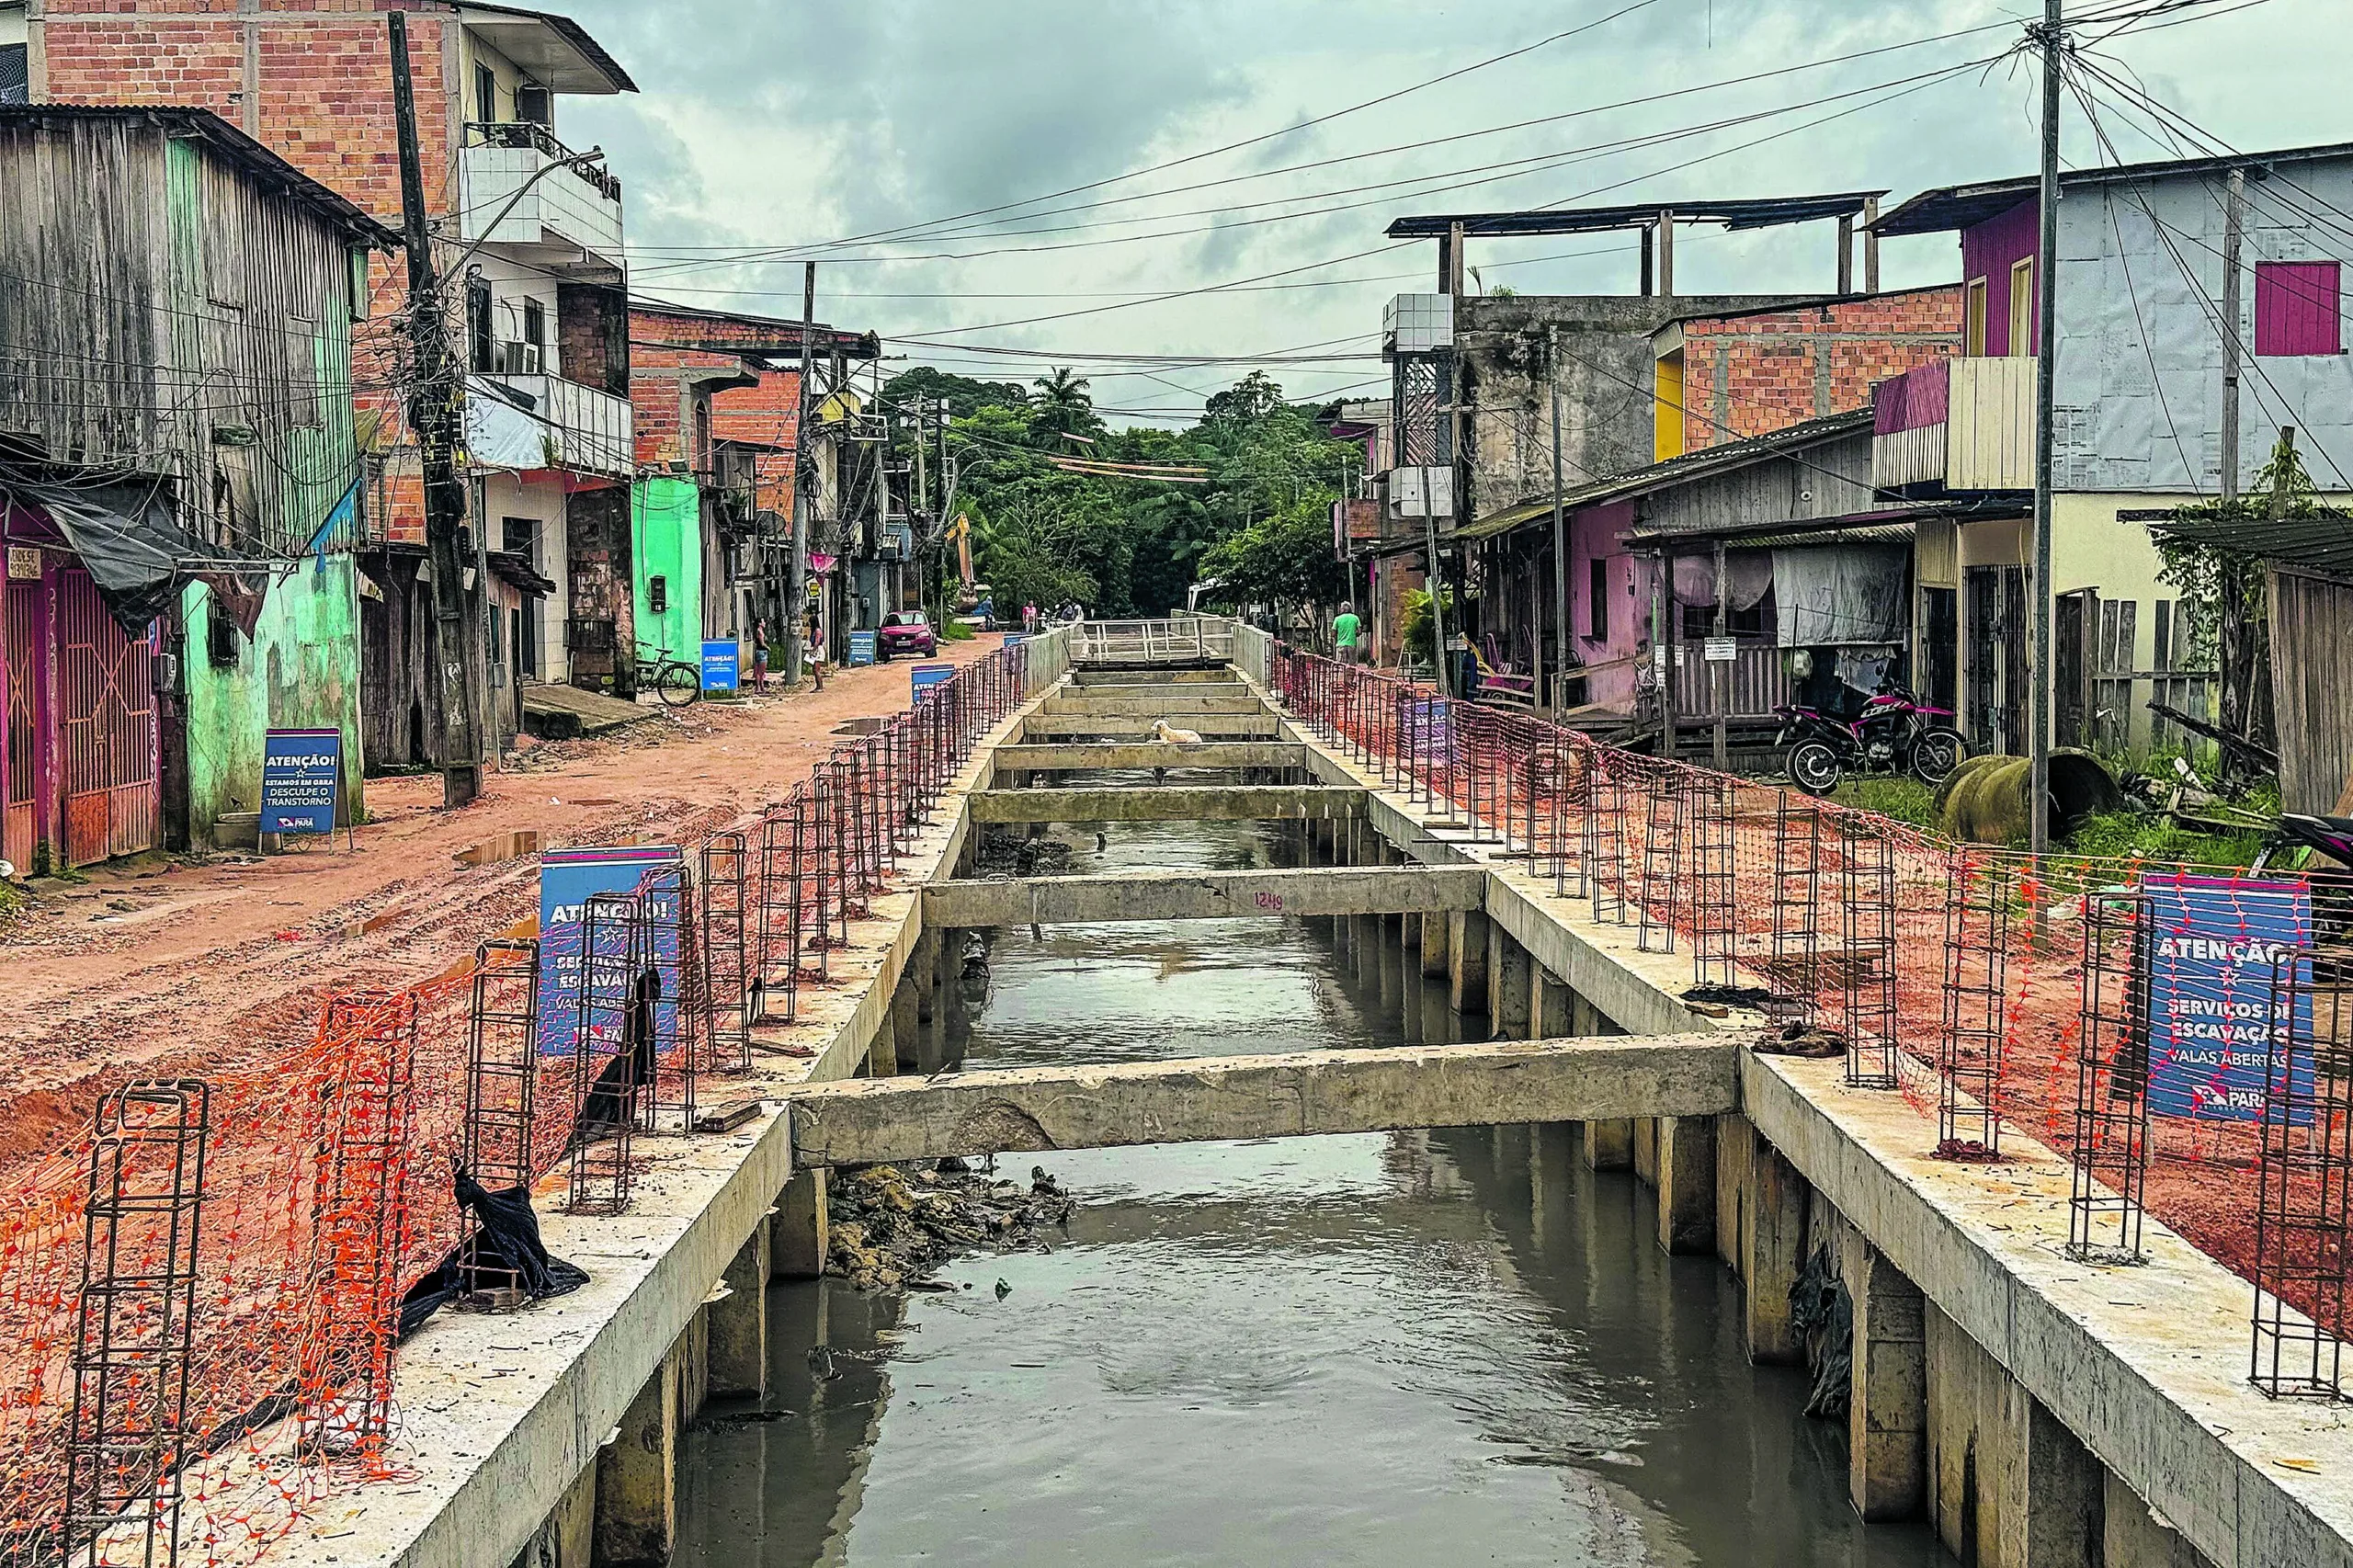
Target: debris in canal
(892, 1226)
(1003, 854)
(1824, 1316)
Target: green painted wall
(300, 669)
(665, 542)
(299, 672)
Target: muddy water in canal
(1446, 1347)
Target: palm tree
(1062, 406)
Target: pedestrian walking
(1346, 628)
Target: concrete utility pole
(2234, 238)
(796, 608)
(1560, 519)
(2052, 36)
(457, 629)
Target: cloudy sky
(984, 181)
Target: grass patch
(2125, 835)
(1904, 798)
(955, 631)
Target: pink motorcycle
(1895, 732)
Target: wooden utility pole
(796, 594)
(2051, 38)
(458, 631)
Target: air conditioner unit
(516, 357)
(1421, 491)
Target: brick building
(717, 398)
(537, 301)
(1728, 376)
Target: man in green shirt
(1345, 627)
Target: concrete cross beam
(1149, 753)
(1155, 704)
(1202, 895)
(1042, 726)
(865, 1121)
(1262, 803)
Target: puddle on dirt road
(1443, 1347)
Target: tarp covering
(1751, 572)
(503, 433)
(1840, 594)
(139, 556)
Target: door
(2073, 617)
(522, 535)
(1993, 658)
(1940, 648)
(112, 778)
(21, 826)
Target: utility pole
(432, 413)
(1559, 520)
(796, 608)
(2052, 36)
(2234, 238)
(932, 538)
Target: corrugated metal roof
(1752, 213)
(2323, 543)
(1962, 206)
(1679, 470)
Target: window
(535, 324)
(479, 348)
(1973, 319)
(1597, 601)
(2022, 307)
(13, 73)
(533, 104)
(2296, 308)
(486, 94)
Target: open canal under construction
(1448, 1346)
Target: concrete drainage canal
(1422, 1346)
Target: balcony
(565, 212)
(527, 422)
(1951, 424)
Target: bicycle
(675, 681)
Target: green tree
(2222, 593)
(1062, 407)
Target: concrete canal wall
(2038, 1412)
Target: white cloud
(791, 125)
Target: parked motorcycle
(1895, 732)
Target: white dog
(1162, 730)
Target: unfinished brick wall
(1752, 374)
(322, 84)
(768, 414)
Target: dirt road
(180, 968)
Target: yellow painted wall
(1668, 422)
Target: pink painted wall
(2296, 308)
(1594, 534)
(1989, 250)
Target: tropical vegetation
(1256, 520)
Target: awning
(139, 556)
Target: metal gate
(106, 724)
(27, 720)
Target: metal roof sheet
(1739, 213)
(1963, 206)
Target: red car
(906, 631)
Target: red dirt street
(156, 968)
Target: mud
(224, 960)
(892, 1226)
